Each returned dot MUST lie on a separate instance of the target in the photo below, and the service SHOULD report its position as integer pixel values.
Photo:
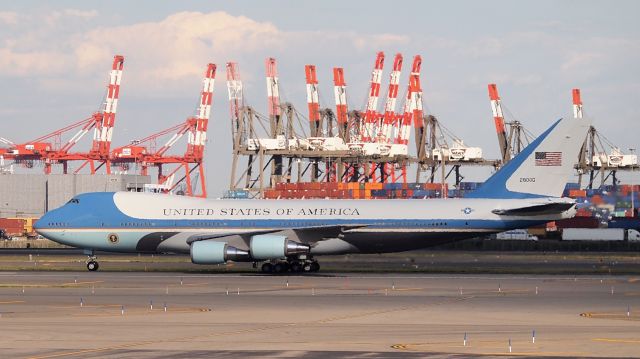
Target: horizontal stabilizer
(540, 209)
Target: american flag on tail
(548, 158)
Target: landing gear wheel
(267, 268)
(92, 266)
(279, 268)
(296, 267)
(315, 266)
(306, 267)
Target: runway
(150, 315)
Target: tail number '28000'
(527, 179)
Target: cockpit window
(73, 200)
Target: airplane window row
(135, 224)
(205, 224)
(58, 224)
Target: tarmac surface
(115, 315)
(427, 261)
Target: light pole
(633, 207)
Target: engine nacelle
(211, 252)
(268, 246)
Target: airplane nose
(46, 222)
(39, 225)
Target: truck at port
(515, 234)
(600, 234)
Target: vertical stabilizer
(542, 168)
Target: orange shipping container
(597, 200)
(577, 193)
(432, 186)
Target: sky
(55, 56)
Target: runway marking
(62, 285)
(194, 285)
(408, 289)
(88, 306)
(609, 340)
(13, 302)
(70, 284)
(95, 350)
(603, 315)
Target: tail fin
(542, 168)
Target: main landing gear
(293, 265)
(92, 262)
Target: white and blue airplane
(288, 234)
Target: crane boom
(340, 94)
(413, 111)
(198, 125)
(389, 120)
(313, 99)
(371, 115)
(273, 93)
(104, 131)
(498, 118)
(577, 104)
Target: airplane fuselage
(135, 222)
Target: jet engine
(211, 252)
(268, 246)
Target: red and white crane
(413, 111)
(236, 97)
(340, 94)
(577, 103)
(389, 121)
(50, 148)
(368, 130)
(498, 119)
(313, 100)
(273, 93)
(143, 152)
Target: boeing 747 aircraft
(288, 235)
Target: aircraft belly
(377, 242)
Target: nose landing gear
(92, 265)
(92, 261)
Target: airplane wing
(330, 231)
(536, 209)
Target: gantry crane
(50, 149)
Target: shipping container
(13, 226)
(578, 222)
(516, 234)
(601, 234)
(575, 193)
(626, 223)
